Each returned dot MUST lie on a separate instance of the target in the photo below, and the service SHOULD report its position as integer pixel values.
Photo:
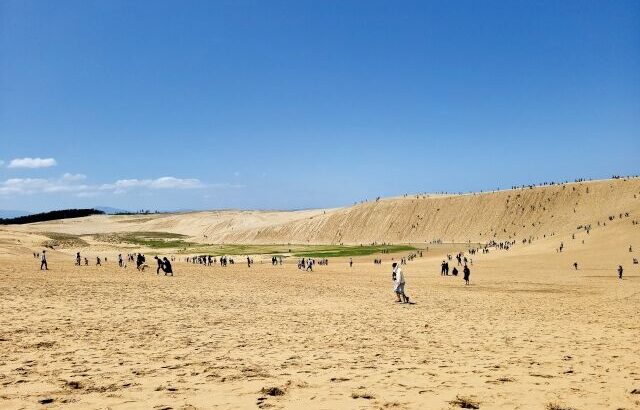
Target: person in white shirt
(398, 283)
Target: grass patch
(168, 240)
(301, 251)
(154, 240)
(63, 240)
(344, 251)
(159, 235)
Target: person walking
(160, 265)
(399, 283)
(43, 261)
(166, 267)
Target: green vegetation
(167, 240)
(63, 240)
(313, 251)
(154, 240)
(352, 250)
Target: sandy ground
(527, 332)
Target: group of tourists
(307, 264)
(164, 263)
(444, 269)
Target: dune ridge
(481, 217)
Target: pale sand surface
(527, 332)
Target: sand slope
(505, 215)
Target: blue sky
(298, 104)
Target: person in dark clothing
(43, 261)
(620, 271)
(454, 272)
(78, 258)
(467, 273)
(160, 265)
(166, 266)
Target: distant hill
(50, 216)
(10, 213)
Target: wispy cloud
(159, 183)
(73, 177)
(75, 183)
(32, 163)
(17, 186)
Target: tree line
(50, 216)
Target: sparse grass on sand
(364, 395)
(167, 240)
(272, 391)
(154, 240)
(345, 251)
(302, 251)
(465, 403)
(63, 240)
(558, 406)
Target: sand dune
(505, 215)
(529, 331)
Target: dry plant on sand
(557, 406)
(465, 403)
(272, 391)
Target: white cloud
(74, 183)
(32, 163)
(176, 183)
(18, 186)
(73, 177)
(88, 194)
(159, 183)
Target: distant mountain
(6, 213)
(111, 210)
